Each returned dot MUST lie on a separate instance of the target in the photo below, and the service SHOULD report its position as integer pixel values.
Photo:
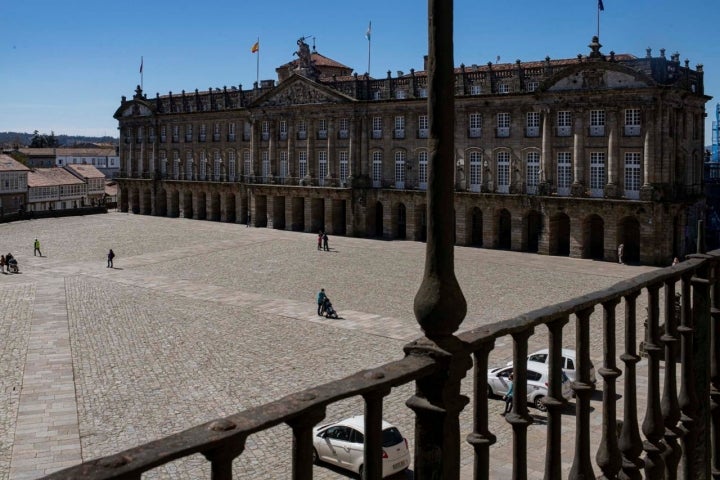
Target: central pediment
(298, 90)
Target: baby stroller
(328, 309)
(13, 266)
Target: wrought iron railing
(680, 429)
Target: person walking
(248, 222)
(110, 257)
(321, 301)
(320, 240)
(37, 248)
(508, 396)
(325, 242)
(2, 263)
(621, 252)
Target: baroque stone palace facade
(561, 157)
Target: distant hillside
(10, 139)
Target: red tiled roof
(50, 177)
(9, 164)
(86, 171)
(69, 152)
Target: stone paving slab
(202, 319)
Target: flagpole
(598, 21)
(141, 73)
(257, 68)
(369, 37)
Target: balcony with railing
(674, 433)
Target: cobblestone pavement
(201, 319)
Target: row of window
(13, 181)
(99, 161)
(563, 127)
(478, 173)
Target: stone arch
(593, 237)
(400, 221)
(317, 214)
(421, 222)
(174, 203)
(214, 213)
(230, 214)
(161, 202)
(375, 220)
(124, 197)
(201, 203)
(135, 200)
(629, 235)
(504, 225)
(475, 227)
(533, 229)
(560, 234)
(187, 204)
(146, 201)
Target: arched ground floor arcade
(651, 233)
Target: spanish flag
(256, 47)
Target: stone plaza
(198, 320)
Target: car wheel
(490, 392)
(316, 459)
(360, 472)
(539, 403)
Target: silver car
(537, 383)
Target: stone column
(289, 218)
(272, 154)
(292, 172)
(181, 203)
(254, 149)
(646, 191)
(332, 168)
(269, 210)
(410, 226)
(613, 151)
(310, 148)
(307, 214)
(223, 207)
(578, 186)
(196, 206)
(329, 225)
(546, 168)
(460, 225)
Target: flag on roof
(601, 7)
(369, 31)
(256, 47)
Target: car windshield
(391, 436)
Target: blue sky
(64, 65)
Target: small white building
(105, 159)
(55, 189)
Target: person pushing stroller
(324, 305)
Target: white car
(569, 362)
(537, 383)
(342, 443)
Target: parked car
(569, 362)
(537, 383)
(342, 443)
